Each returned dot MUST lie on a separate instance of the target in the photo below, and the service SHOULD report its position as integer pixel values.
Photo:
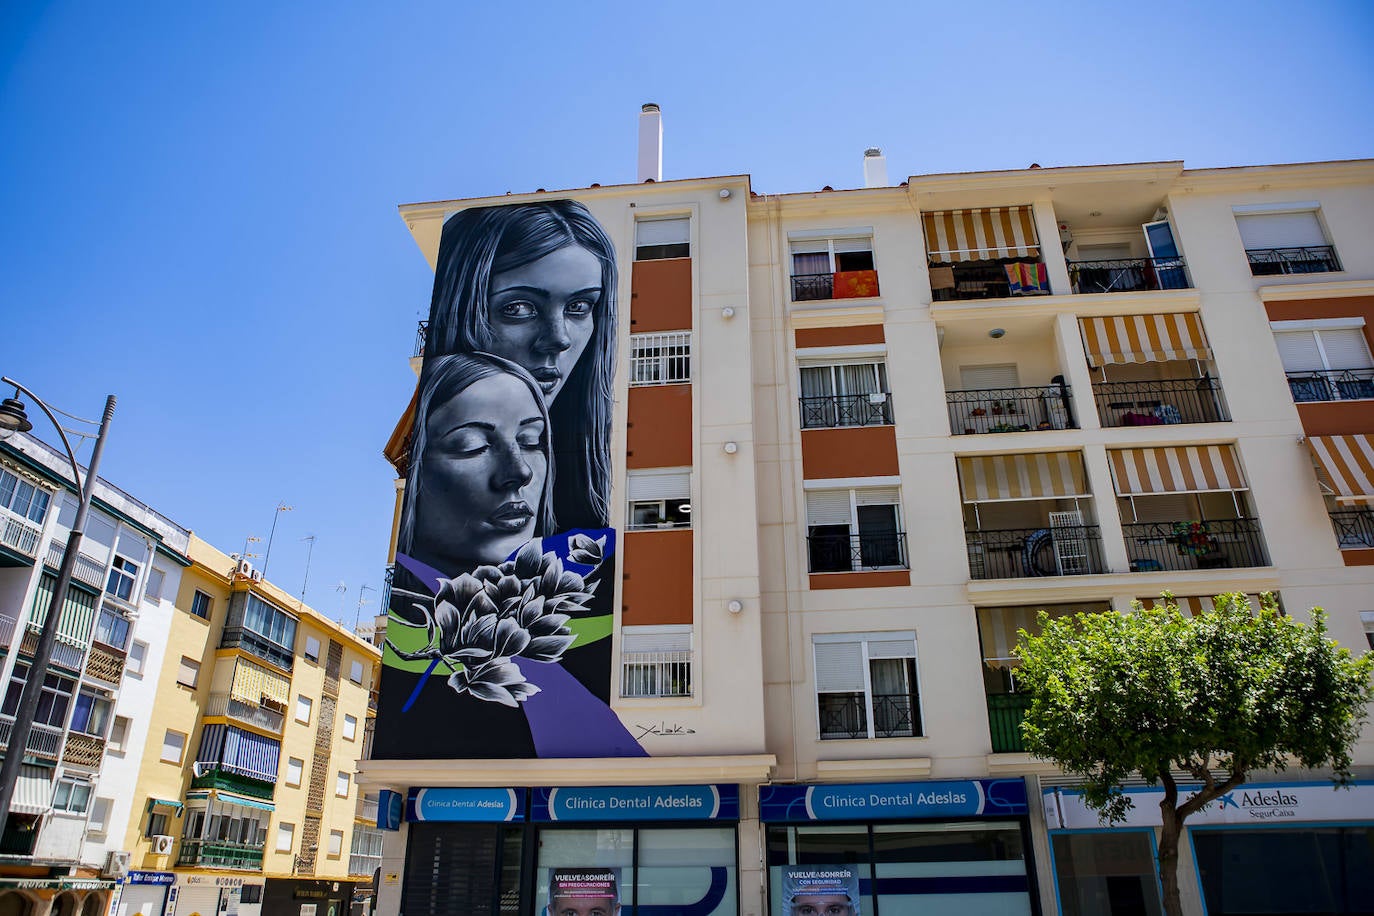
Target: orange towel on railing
(856, 284)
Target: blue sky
(198, 201)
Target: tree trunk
(1172, 827)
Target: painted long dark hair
(484, 240)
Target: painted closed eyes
(475, 439)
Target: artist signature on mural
(663, 729)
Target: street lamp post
(14, 419)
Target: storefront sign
(58, 884)
(446, 804)
(150, 877)
(390, 806)
(1260, 803)
(208, 880)
(636, 803)
(893, 800)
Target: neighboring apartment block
(856, 440)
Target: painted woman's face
(541, 314)
(483, 471)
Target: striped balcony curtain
(254, 684)
(250, 754)
(78, 611)
(1041, 475)
(1176, 469)
(1192, 606)
(1144, 338)
(1348, 462)
(990, 233)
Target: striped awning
(978, 235)
(254, 683)
(1348, 462)
(32, 791)
(229, 798)
(1195, 605)
(170, 804)
(1144, 338)
(78, 611)
(1041, 475)
(1176, 469)
(997, 628)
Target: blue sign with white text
(390, 807)
(893, 800)
(446, 804)
(636, 803)
(150, 877)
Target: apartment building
(856, 439)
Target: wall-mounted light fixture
(725, 194)
(728, 312)
(734, 606)
(730, 447)
(997, 333)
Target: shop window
(660, 359)
(659, 498)
(1293, 870)
(663, 237)
(1107, 873)
(455, 869)
(252, 893)
(866, 685)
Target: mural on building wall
(498, 641)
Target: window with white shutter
(1286, 239)
(1326, 363)
(659, 498)
(850, 530)
(853, 393)
(660, 238)
(656, 661)
(660, 359)
(866, 685)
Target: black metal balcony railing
(1128, 275)
(845, 715)
(420, 333)
(1331, 385)
(848, 553)
(806, 287)
(259, 645)
(20, 836)
(1230, 543)
(1160, 402)
(1354, 528)
(1005, 712)
(1307, 259)
(1007, 410)
(832, 410)
(218, 854)
(1017, 553)
(979, 281)
(843, 284)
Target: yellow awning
(1144, 338)
(1176, 469)
(978, 235)
(1349, 464)
(1192, 606)
(1041, 475)
(253, 684)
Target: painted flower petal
(527, 562)
(547, 648)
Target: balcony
(1005, 712)
(843, 284)
(65, 653)
(105, 663)
(19, 535)
(217, 776)
(45, 741)
(1310, 259)
(849, 553)
(367, 809)
(222, 704)
(1160, 402)
(1354, 528)
(844, 715)
(836, 410)
(83, 750)
(89, 571)
(7, 625)
(1331, 385)
(1018, 553)
(656, 674)
(1233, 543)
(420, 333)
(1009, 410)
(988, 280)
(20, 835)
(261, 646)
(207, 854)
(1128, 275)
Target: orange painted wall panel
(839, 337)
(1337, 418)
(657, 578)
(1361, 557)
(856, 451)
(878, 578)
(661, 295)
(660, 427)
(1331, 418)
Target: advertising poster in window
(498, 636)
(583, 892)
(819, 890)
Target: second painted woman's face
(540, 314)
(484, 466)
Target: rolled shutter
(1346, 348)
(904, 647)
(827, 507)
(877, 496)
(672, 231)
(1281, 230)
(675, 484)
(839, 667)
(1298, 351)
(656, 639)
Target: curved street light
(13, 418)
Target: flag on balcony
(1349, 462)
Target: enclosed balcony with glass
(1004, 379)
(1153, 370)
(833, 265)
(984, 253)
(223, 831)
(1028, 516)
(256, 626)
(1345, 474)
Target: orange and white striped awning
(1195, 605)
(1176, 469)
(1349, 463)
(1042, 475)
(1144, 338)
(997, 628)
(977, 235)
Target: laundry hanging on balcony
(1144, 338)
(980, 235)
(1176, 469)
(1348, 462)
(1041, 475)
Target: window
(850, 530)
(152, 592)
(71, 795)
(295, 769)
(265, 631)
(656, 661)
(123, 573)
(53, 701)
(23, 498)
(1326, 360)
(112, 628)
(312, 649)
(200, 604)
(1367, 618)
(365, 856)
(91, 715)
(119, 734)
(866, 685)
(341, 785)
(845, 394)
(158, 825)
(100, 815)
(138, 656)
(1285, 239)
(286, 835)
(188, 672)
(833, 268)
(659, 499)
(663, 237)
(350, 727)
(356, 671)
(173, 747)
(252, 893)
(661, 359)
(335, 843)
(303, 707)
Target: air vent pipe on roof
(650, 143)
(875, 168)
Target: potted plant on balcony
(1193, 539)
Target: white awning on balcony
(1349, 463)
(1144, 338)
(1176, 469)
(32, 791)
(978, 235)
(1041, 475)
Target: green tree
(1159, 693)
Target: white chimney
(650, 143)
(875, 168)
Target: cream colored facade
(760, 605)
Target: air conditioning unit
(246, 569)
(116, 864)
(255, 575)
(162, 845)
